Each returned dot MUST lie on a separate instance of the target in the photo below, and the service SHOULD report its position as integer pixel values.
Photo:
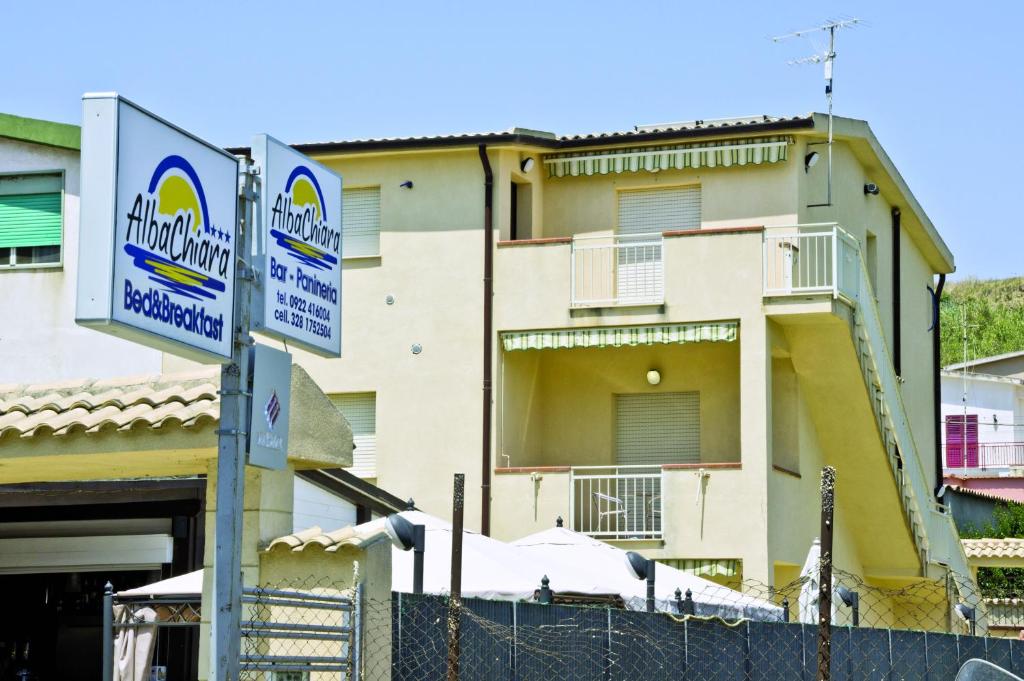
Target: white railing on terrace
(984, 455)
(620, 269)
(616, 502)
(805, 259)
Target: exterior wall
(315, 506)
(737, 196)
(40, 342)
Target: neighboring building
(682, 337)
(983, 421)
(1005, 611)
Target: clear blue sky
(942, 83)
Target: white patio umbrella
(575, 561)
(810, 575)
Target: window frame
(12, 265)
(380, 210)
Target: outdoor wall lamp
(642, 568)
(810, 159)
(968, 614)
(406, 185)
(654, 377)
(851, 599)
(527, 164)
(871, 188)
(404, 535)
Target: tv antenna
(827, 57)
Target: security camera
(871, 188)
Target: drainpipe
(936, 381)
(896, 319)
(485, 485)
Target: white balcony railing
(617, 270)
(809, 259)
(984, 455)
(616, 502)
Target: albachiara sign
(158, 217)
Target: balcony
(983, 456)
(811, 259)
(617, 270)
(616, 502)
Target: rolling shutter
(30, 220)
(360, 210)
(360, 409)
(657, 428)
(659, 210)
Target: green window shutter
(30, 220)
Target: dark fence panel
(505, 641)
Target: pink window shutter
(971, 441)
(954, 442)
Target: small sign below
(298, 249)
(271, 386)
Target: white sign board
(156, 261)
(271, 388)
(298, 297)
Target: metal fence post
(828, 487)
(355, 652)
(108, 632)
(455, 604)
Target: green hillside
(995, 318)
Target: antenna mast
(828, 57)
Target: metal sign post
(231, 452)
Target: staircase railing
(933, 528)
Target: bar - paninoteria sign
(158, 228)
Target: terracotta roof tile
(994, 548)
(189, 400)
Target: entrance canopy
(622, 336)
(146, 426)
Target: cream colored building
(682, 337)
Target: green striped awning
(30, 220)
(707, 567)
(608, 337)
(726, 153)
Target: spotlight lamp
(851, 599)
(527, 164)
(967, 614)
(642, 568)
(810, 159)
(400, 531)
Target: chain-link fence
(312, 629)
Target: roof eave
(938, 254)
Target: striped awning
(630, 336)
(707, 567)
(725, 153)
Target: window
(360, 215)
(360, 409)
(31, 220)
(657, 428)
(961, 441)
(659, 210)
